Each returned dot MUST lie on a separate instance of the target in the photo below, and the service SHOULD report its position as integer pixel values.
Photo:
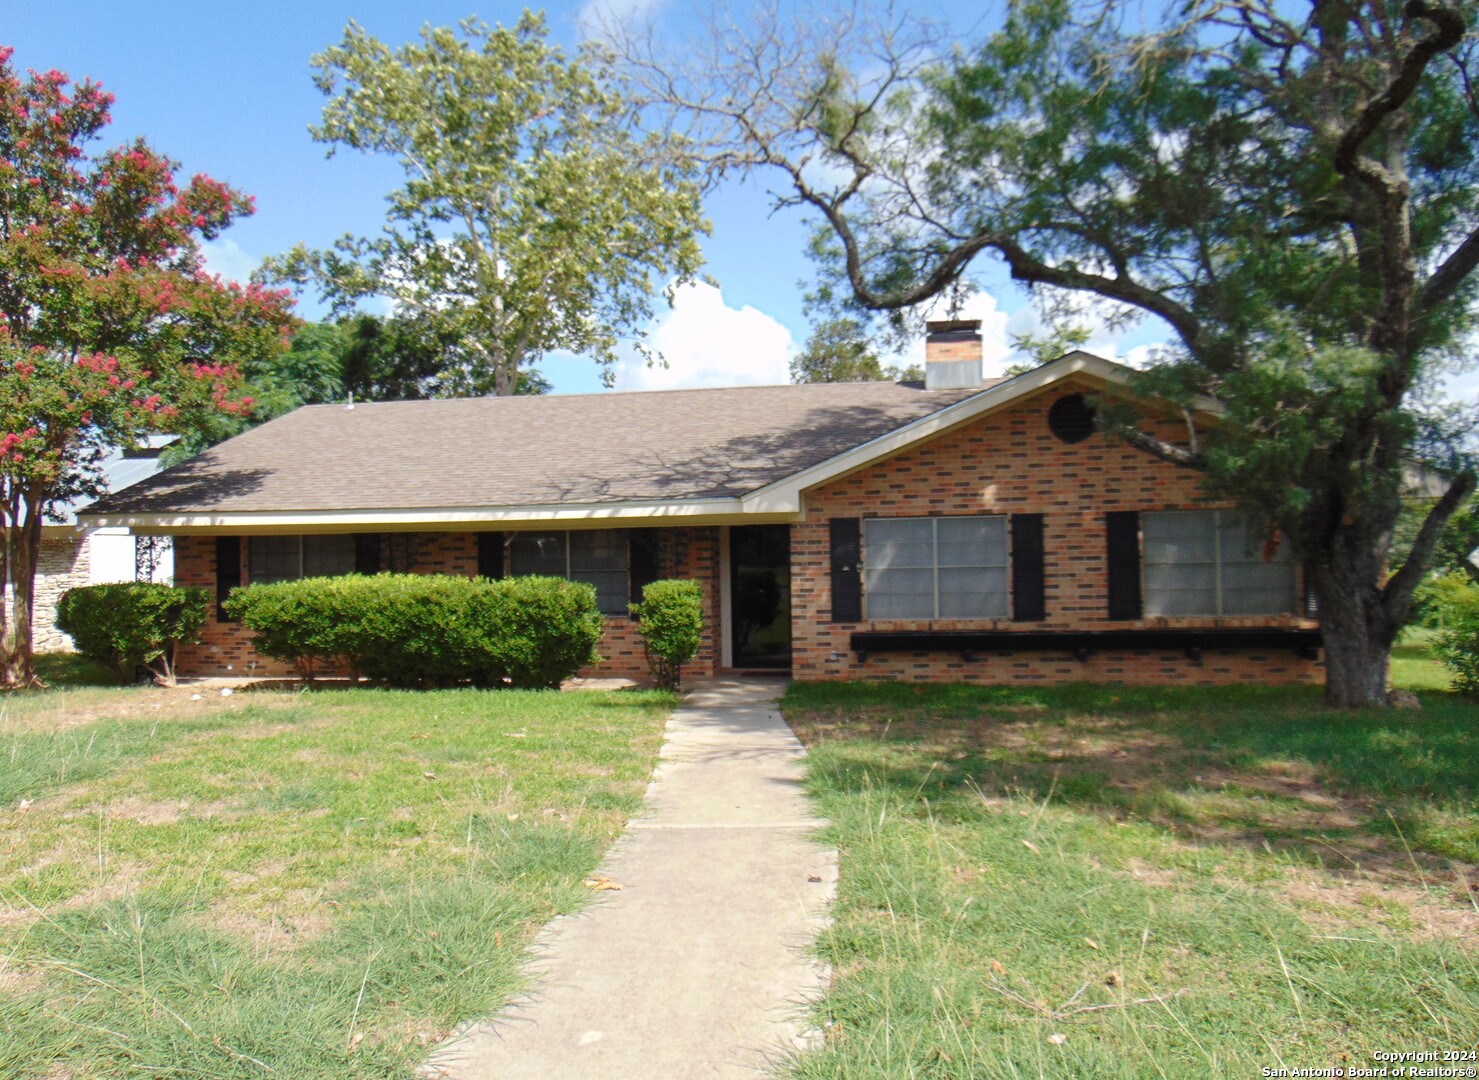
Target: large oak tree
(1290, 188)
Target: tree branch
(1449, 32)
(1396, 595)
(1449, 276)
(1159, 448)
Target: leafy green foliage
(839, 350)
(1457, 643)
(426, 629)
(534, 215)
(110, 327)
(133, 624)
(670, 618)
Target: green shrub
(426, 630)
(133, 624)
(1435, 597)
(670, 619)
(1457, 644)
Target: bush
(671, 621)
(133, 624)
(426, 630)
(1457, 644)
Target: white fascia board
(784, 496)
(568, 515)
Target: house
(966, 529)
(72, 555)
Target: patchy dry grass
(1115, 882)
(308, 884)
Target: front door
(760, 595)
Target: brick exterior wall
(225, 647)
(1008, 463)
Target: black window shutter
(228, 572)
(490, 555)
(846, 535)
(1122, 530)
(1311, 600)
(644, 562)
(1029, 598)
(367, 553)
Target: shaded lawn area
(1141, 882)
(273, 883)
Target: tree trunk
(23, 541)
(1354, 622)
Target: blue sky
(226, 90)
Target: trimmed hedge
(133, 624)
(426, 629)
(670, 619)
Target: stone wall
(63, 564)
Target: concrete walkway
(697, 967)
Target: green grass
(1140, 882)
(304, 885)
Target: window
(935, 568)
(1211, 562)
(599, 557)
(287, 558)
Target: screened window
(599, 557)
(1211, 562)
(287, 558)
(935, 568)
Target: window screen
(328, 556)
(1211, 562)
(274, 558)
(599, 557)
(935, 568)
(287, 558)
(537, 553)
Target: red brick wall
(1011, 463)
(225, 647)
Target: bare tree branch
(1396, 595)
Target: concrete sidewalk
(697, 967)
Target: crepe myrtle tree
(109, 325)
(534, 214)
(1289, 188)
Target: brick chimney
(952, 354)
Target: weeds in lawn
(1126, 882)
(308, 885)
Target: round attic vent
(1071, 419)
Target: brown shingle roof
(587, 448)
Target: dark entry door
(760, 595)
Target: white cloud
(708, 343)
(226, 257)
(1126, 343)
(598, 18)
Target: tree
(534, 215)
(109, 325)
(1290, 189)
(839, 350)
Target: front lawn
(303, 885)
(1115, 882)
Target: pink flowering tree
(110, 327)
